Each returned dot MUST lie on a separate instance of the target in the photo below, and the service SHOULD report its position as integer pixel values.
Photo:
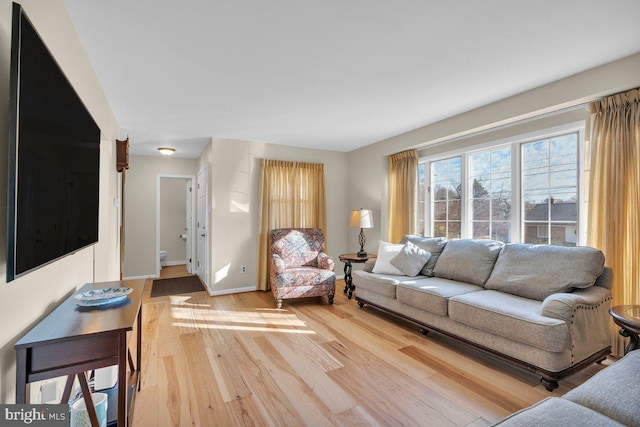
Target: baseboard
(172, 263)
(231, 291)
(147, 276)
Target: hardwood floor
(235, 360)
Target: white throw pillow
(386, 252)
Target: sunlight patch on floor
(242, 328)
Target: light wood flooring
(235, 360)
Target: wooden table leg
(122, 380)
(88, 399)
(22, 388)
(66, 394)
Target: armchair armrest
(325, 261)
(563, 305)
(277, 264)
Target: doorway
(175, 224)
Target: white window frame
(516, 179)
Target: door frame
(203, 256)
(192, 231)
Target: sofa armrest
(277, 264)
(325, 261)
(563, 305)
(586, 312)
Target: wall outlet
(49, 392)
(243, 269)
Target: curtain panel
(613, 137)
(292, 194)
(403, 185)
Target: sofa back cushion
(433, 245)
(537, 271)
(468, 260)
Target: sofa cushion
(614, 391)
(554, 411)
(432, 293)
(511, 317)
(468, 260)
(537, 271)
(382, 284)
(434, 245)
(410, 259)
(386, 252)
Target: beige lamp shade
(362, 218)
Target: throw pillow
(435, 245)
(411, 259)
(386, 252)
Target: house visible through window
(517, 191)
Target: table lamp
(362, 218)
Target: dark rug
(176, 285)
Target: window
(550, 190)
(446, 204)
(521, 190)
(490, 183)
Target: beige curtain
(292, 194)
(613, 135)
(403, 182)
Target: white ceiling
(331, 74)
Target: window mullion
(517, 199)
(465, 213)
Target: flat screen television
(53, 161)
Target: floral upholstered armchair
(299, 267)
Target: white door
(188, 231)
(202, 264)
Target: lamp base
(362, 254)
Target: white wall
(173, 218)
(367, 180)
(234, 174)
(26, 300)
(140, 209)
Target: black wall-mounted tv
(54, 158)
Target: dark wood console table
(72, 340)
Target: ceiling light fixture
(167, 151)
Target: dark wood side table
(72, 340)
(348, 259)
(628, 318)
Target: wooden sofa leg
(278, 304)
(549, 383)
(331, 299)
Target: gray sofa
(609, 398)
(541, 307)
